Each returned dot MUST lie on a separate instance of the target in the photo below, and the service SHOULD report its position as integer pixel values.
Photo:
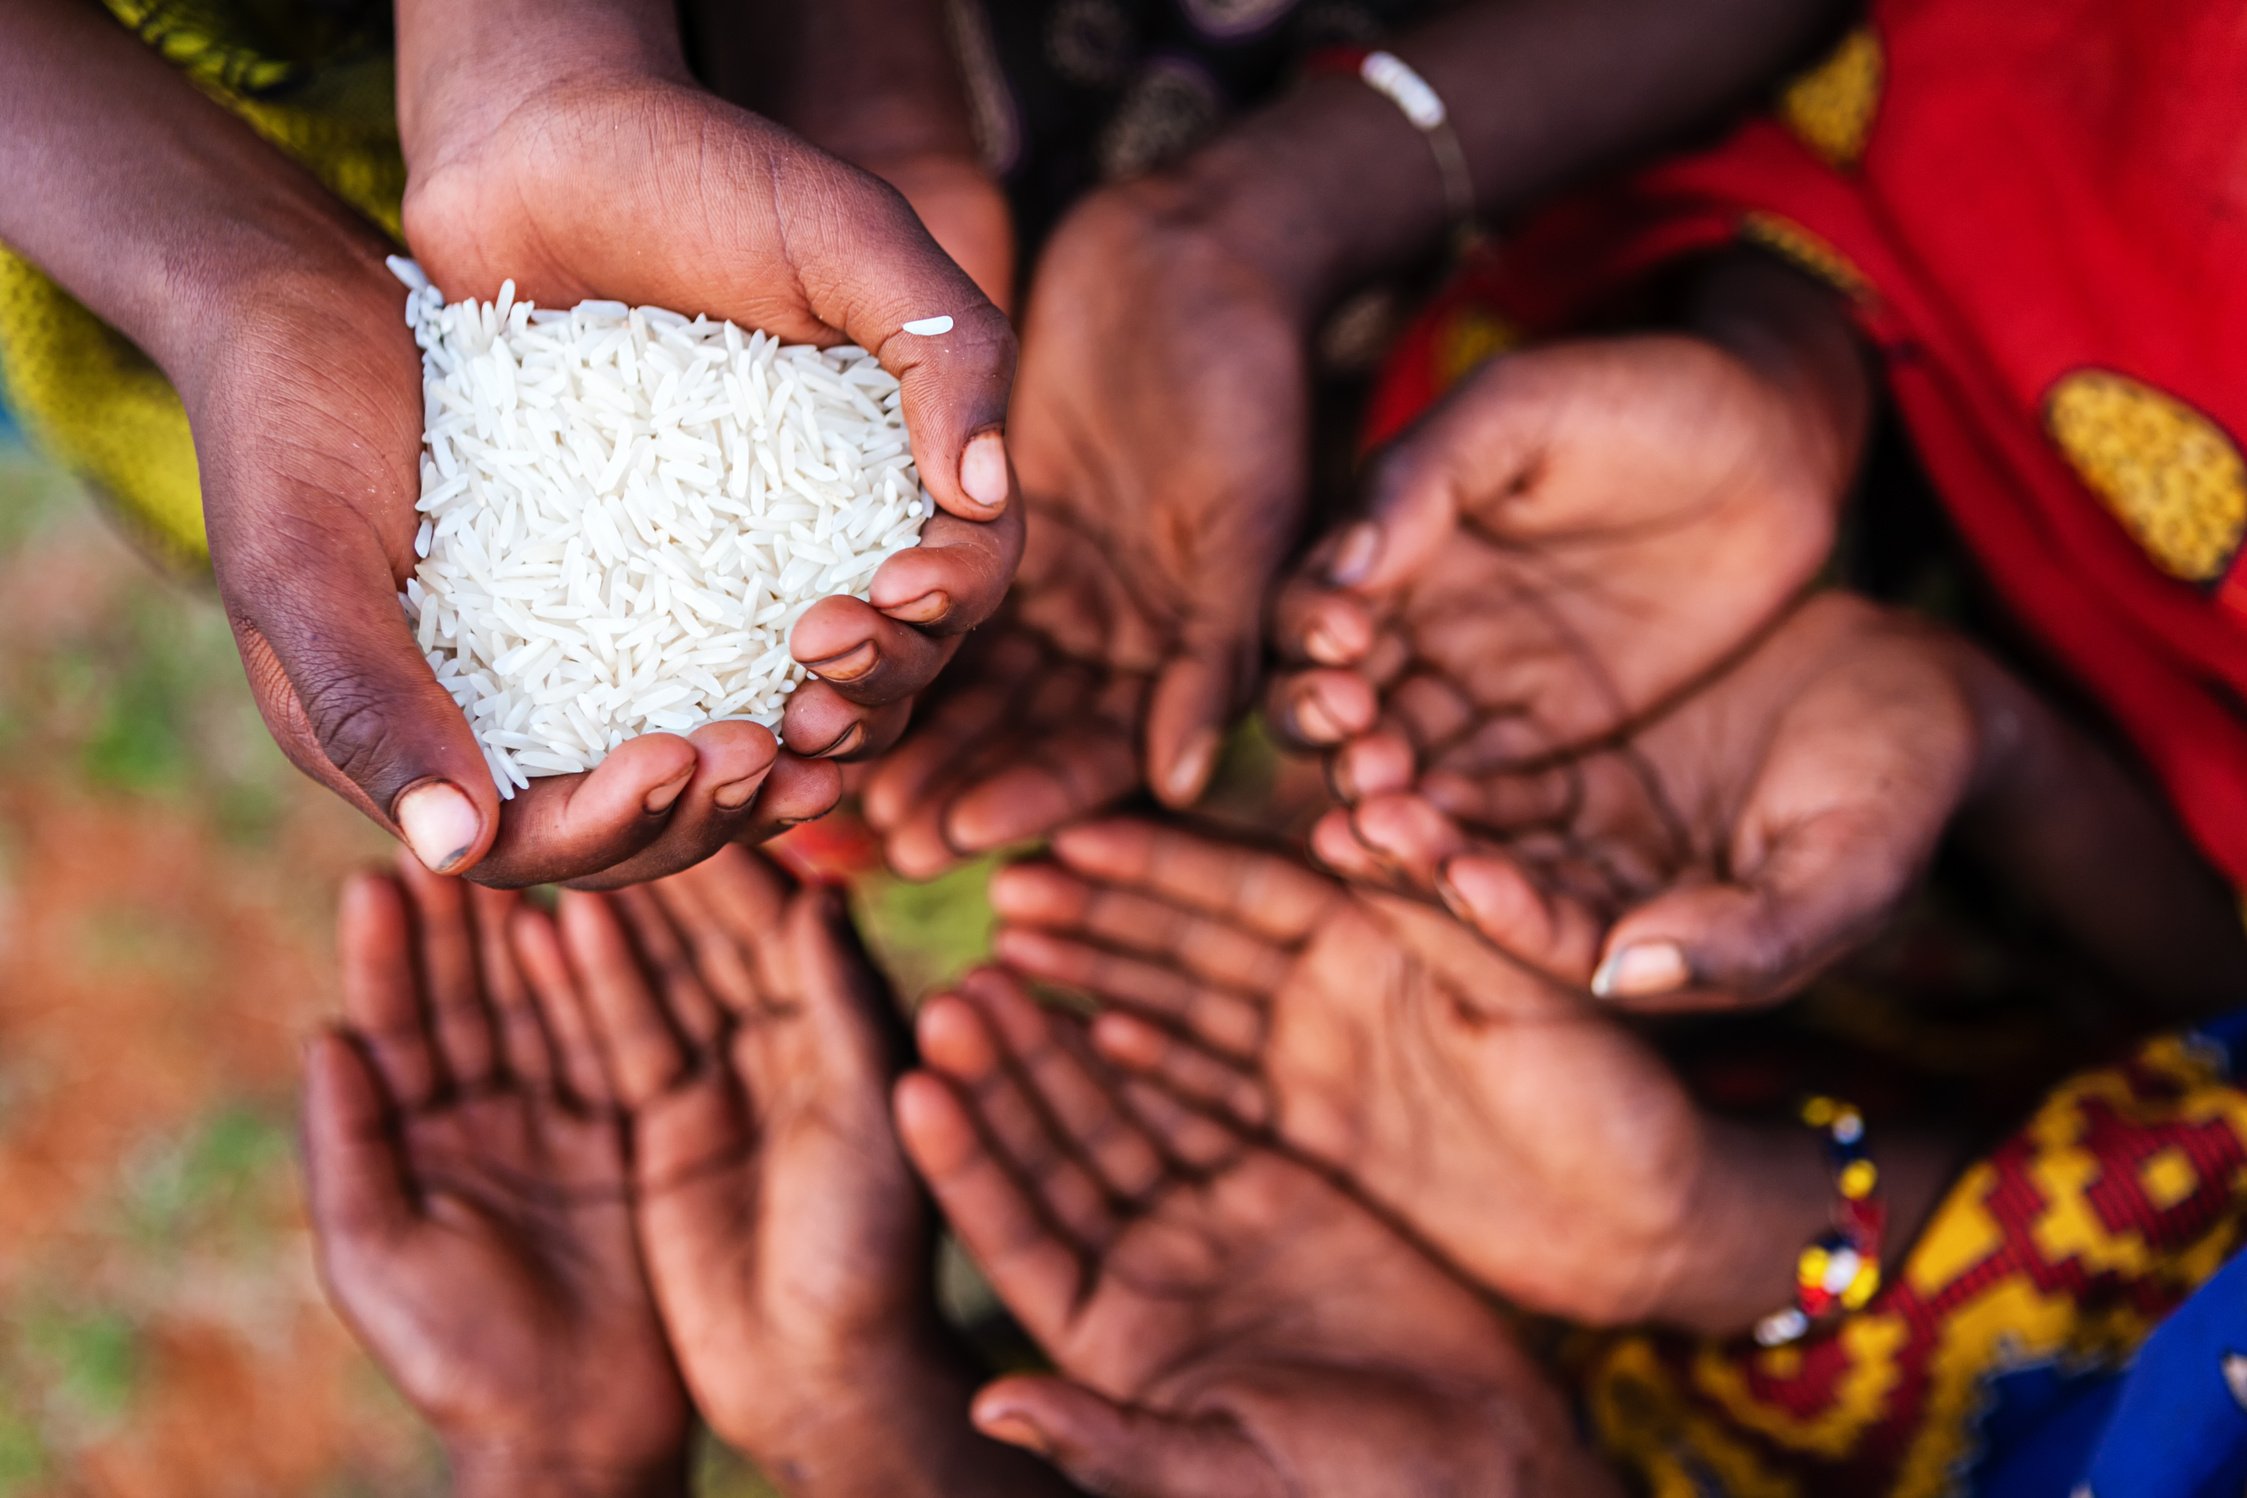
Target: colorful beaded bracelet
(1839, 1270)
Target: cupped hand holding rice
(625, 511)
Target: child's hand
(1225, 1321)
(1533, 1141)
(1576, 535)
(745, 1034)
(621, 179)
(1720, 851)
(1161, 433)
(471, 1206)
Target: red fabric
(2044, 189)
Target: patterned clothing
(2009, 1357)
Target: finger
(822, 724)
(1509, 803)
(864, 657)
(343, 687)
(1050, 778)
(1108, 1448)
(1011, 1112)
(1322, 706)
(883, 274)
(355, 1180)
(733, 762)
(796, 790)
(1222, 954)
(1314, 625)
(1272, 896)
(1194, 700)
(1076, 1095)
(1496, 896)
(667, 960)
(1185, 1071)
(849, 1006)
(460, 1025)
(572, 826)
(1379, 763)
(382, 989)
(1472, 452)
(1334, 843)
(1827, 885)
(524, 1050)
(639, 1051)
(956, 577)
(1191, 1138)
(1151, 986)
(1034, 1270)
(576, 1050)
(982, 691)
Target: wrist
(501, 1470)
(1793, 333)
(899, 1429)
(462, 68)
(1320, 192)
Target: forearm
(2061, 819)
(145, 200)
(488, 1472)
(872, 81)
(1795, 332)
(1332, 184)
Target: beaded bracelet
(1839, 1270)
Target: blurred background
(166, 888)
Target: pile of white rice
(625, 511)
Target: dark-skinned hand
(1225, 1322)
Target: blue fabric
(2170, 1424)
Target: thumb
(1122, 1452)
(887, 285)
(1823, 887)
(1469, 453)
(354, 1181)
(1194, 699)
(349, 697)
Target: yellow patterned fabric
(2172, 476)
(320, 90)
(1831, 107)
(2051, 1259)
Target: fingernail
(844, 742)
(983, 471)
(1191, 773)
(1641, 968)
(1017, 1432)
(439, 823)
(661, 798)
(1313, 721)
(735, 794)
(1354, 557)
(1320, 645)
(926, 609)
(849, 666)
(1455, 902)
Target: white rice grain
(623, 512)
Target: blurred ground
(165, 889)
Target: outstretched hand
(606, 174)
(471, 1206)
(1161, 429)
(1720, 852)
(748, 1040)
(1575, 536)
(1465, 1092)
(1225, 1322)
